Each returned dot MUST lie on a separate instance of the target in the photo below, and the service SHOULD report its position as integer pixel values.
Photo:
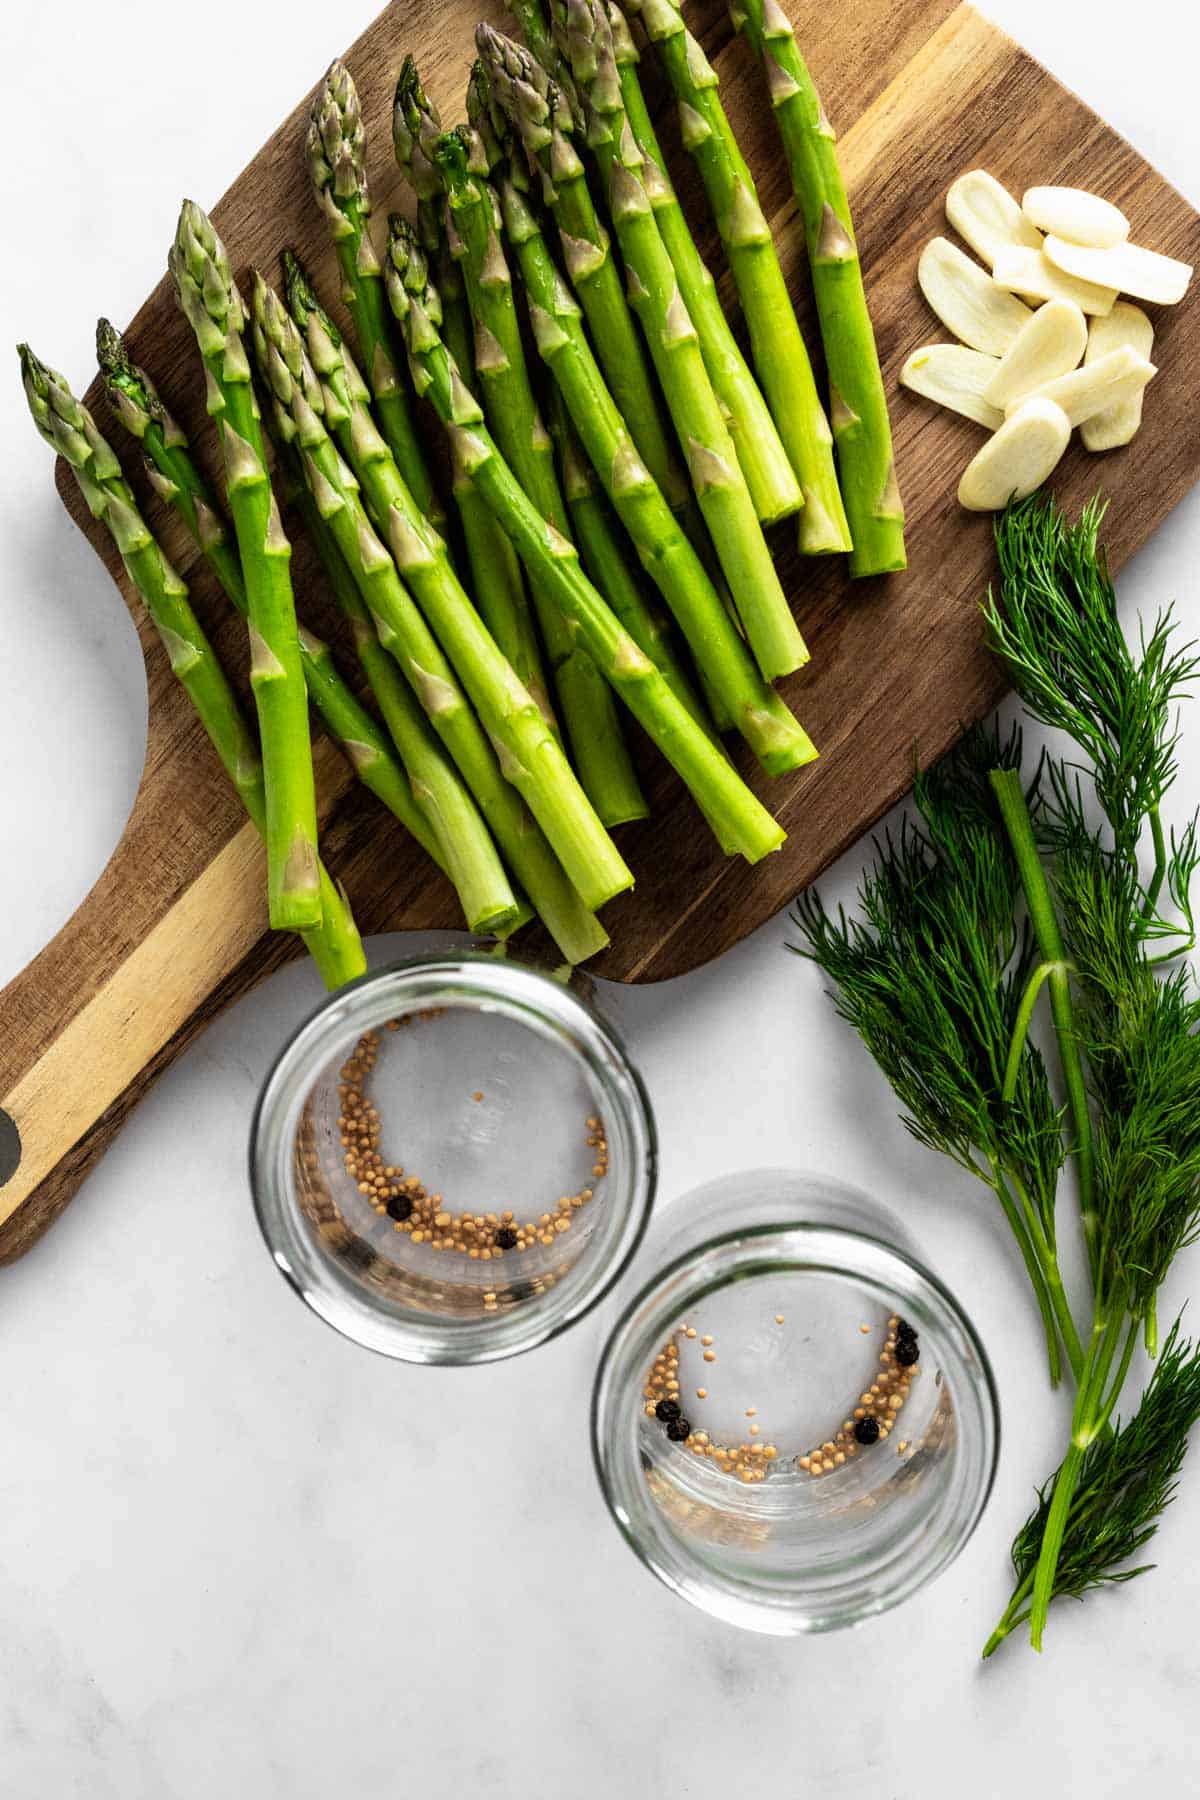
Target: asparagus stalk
(462, 844)
(760, 452)
(528, 755)
(584, 701)
(502, 703)
(213, 308)
(335, 146)
(858, 404)
(69, 429)
(496, 578)
(699, 421)
(178, 480)
(743, 821)
(604, 559)
(777, 346)
(538, 110)
(764, 720)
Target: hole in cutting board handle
(10, 1147)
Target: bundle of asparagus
(662, 463)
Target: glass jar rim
(894, 1275)
(527, 997)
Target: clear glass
(453, 1159)
(777, 1308)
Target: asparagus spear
(719, 483)
(778, 348)
(213, 308)
(744, 822)
(861, 430)
(529, 757)
(335, 147)
(762, 717)
(534, 27)
(178, 480)
(587, 708)
(496, 578)
(69, 429)
(502, 705)
(760, 452)
(604, 560)
(539, 112)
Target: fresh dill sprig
(941, 975)
(932, 977)
(1126, 1482)
(1056, 629)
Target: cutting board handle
(131, 978)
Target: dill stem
(1033, 1268)
(1092, 1409)
(1152, 1327)
(1047, 1259)
(1160, 862)
(1033, 987)
(1010, 797)
(1011, 1617)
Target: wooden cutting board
(175, 928)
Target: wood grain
(176, 927)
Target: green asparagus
(69, 429)
(858, 404)
(536, 108)
(496, 579)
(762, 717)
(336, 152)
(699, 421)
(743, 821)
(528, 756)
(213, 308)
(585, 704)
(778, 348)
(760, 452)
(179, 482)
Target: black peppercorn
(908, 1351)
(399, 1207)
(678, 1430)
(866, 1431)
(666, 1410)
(905, 1330)
(506, 1238)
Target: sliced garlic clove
(1109, 381)
(1022, 454)
(1051, 343)
(1077, 216)
(986, 216)
(966, 299)
(1125, 326)
(1031, 273)
(1128, 268)
(954, 377)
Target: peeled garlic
(1022, 454)
(986, 216)
(966, 299)
(1127, 268)
(1108, 381)
(1076, 215)
(955, 377)
(1126, 325)
(1052, 343)
(1031, 273)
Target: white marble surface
(239, 1557)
